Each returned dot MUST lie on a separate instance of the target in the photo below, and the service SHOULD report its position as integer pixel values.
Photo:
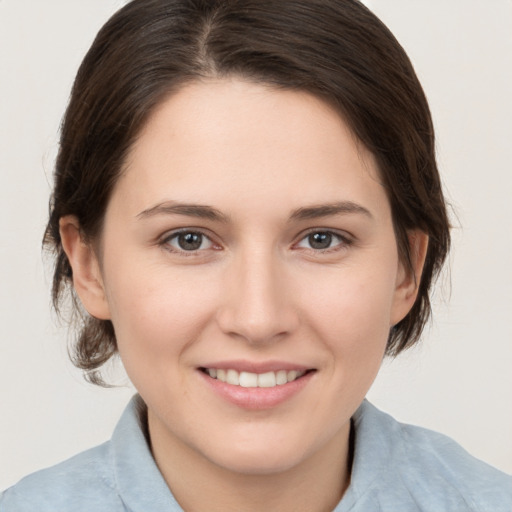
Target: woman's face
(249, 238)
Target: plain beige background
(459, 381)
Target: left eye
(189, 241)
(321, 240)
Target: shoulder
(118, 475)
(83, 483)
(445, 465)
(430, 468)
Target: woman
(248, 207)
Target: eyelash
(166, 242)
(344, 242)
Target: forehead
(214, 139)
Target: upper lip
(256, 366)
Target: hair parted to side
(334, 49)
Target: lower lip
(256, 398)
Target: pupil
(190, 241)
(320, 240)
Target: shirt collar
(140, 482)
(138, 479)
(374, 453)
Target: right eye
(188, 241)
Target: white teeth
(248, 380)
(233, 377)
(267, 380)
(255, 380)
(281, 377)
(291, 375)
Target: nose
(257, 305)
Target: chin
(258, 464)
(261, 459)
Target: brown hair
(335, 49)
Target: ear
(87, 278)
(408, 280)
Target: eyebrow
(210, 213)
(325, 210)
(191, 210)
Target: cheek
(351, 309)
(157, 312)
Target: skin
(256, 290)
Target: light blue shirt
(396, 468)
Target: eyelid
(345, 239)
(164, 240)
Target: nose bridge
(257, 306)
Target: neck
(316, 484)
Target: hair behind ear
(412, 304)
(86, 274)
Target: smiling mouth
(255, 380)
